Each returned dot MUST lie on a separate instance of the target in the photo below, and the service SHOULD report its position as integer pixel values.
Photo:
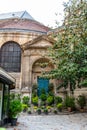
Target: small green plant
(58, 99)
(81, 100)
(39, 111)
(48, 107)
(35, 107)
(35, 100)
(29, 111)
(15, 108)
(45, 111)
(59, 106)
(69, 102)
(55, 111)
(50, 100)
(51, 87)
(12, 96)
(24, 107)
(43, 97)
(25, 100)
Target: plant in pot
(46, 111)
(14, 109)
(81, 100)
(55, 111)
(59, 107)
(39, 111)
(69, 103)
(24, 107)
(25, 100)
(29, 110)
(35, 100)
(58, 99)
(50, 100)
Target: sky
(46, 12)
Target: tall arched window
(11, 57)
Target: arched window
(11, 57)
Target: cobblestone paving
(51, 122)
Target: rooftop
(21, 15)
(21, 20)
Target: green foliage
(15, 96)
(58, 99)
(55, 111)
(83, 83)
(69, 52)
(24, 106)
(50, 100)
(51, 87)
(51, 93)
(35, 100)
(43, 97)
(59, 106)
(25, 100)
(69, 102)
(12, 96)
(45, 110)
(2, 128)
(34, 88)
(15, 108)
(43, 91)
(81, 100)
(39, 110)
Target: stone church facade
(24, 44)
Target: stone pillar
(30, 77)
(25, 73)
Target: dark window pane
(11, 57)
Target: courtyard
(76, 121)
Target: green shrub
(24, 107)
(35, 100)
(59, 106)
(39, 110)
(43, 103)
(58, 99)
(43, 97)
(51, 87)
(81, 100)
(45, 111)
(15, 108)
(69, 102)
(50, 100)
(12, 96)
(25, 100)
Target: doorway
(42, 84)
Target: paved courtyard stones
(51, 122)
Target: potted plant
(46, 111)
(24, 107)
(14, 109)
(69, 103)
(39, 111)
(59, 107)
(50, 100)
(29, 111)
(81, 100)
(25, 100)
(55, 111)
(35, 100)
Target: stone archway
(41, 65)
(38, 68)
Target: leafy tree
(69, 52)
